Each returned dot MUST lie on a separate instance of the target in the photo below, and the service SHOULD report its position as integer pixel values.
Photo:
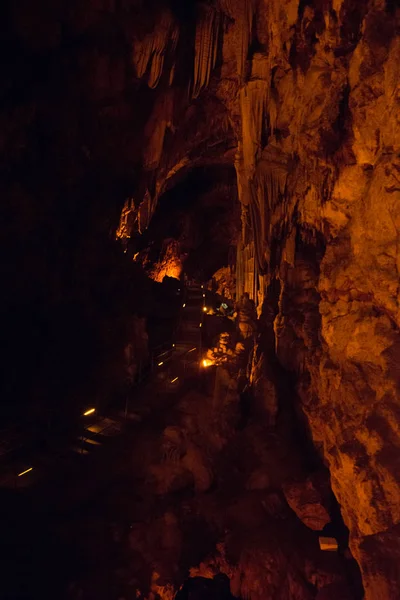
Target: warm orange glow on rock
(126, 221)
(170, 265)
(206, 362)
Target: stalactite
(239, 270)
(160, 119)
(242, 12)
(245, 18)
(172, 74)
(156, 69)
(250, 279)
(150, 52)
(253, 99)
(206, 46)
(267, 195)
(145, 213)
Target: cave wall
(325, 190)
(107, 103)
(312, 94)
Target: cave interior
(222, 174)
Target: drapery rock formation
(108, 105)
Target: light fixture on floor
(328, 544)
(206, 362)
(25, 472)
(89, 412)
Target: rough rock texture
(224, 283)
(201, 213)
(334, 119)
(311, 93)
(110, 104)
(170, 264)
(237, 521)
(309, 502)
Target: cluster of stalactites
(149, 53)
(254, 105)
(269, 199)
(208, 27)
(266, 209)
(206, 46)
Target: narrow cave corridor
(200, 391)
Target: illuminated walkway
(101, 435)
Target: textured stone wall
(109, 101)
(325, 189)
(312, 94)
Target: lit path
(77, 497)
(102, 437)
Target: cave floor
(67, 494)
(182, 491)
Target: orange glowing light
(176, 379)
(89, 412)
(160, 363)
(25, 472)
(192, 350)
(328, 544)
(206, 362)
(183, 305)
